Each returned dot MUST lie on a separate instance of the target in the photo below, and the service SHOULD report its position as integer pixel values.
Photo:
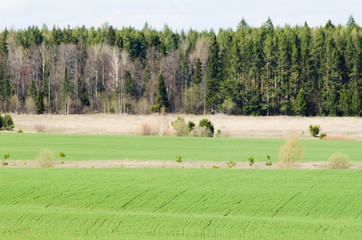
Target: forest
(266, 70)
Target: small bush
(200, 132)
(214, 166)
(268, 161)
(6, 156)
(323, 135)
(291, 152)
(46, 158)
(178, 159)
(190, 126)
(4, 163)
(218, 133)
(206, 123)
(231, 164)
(180, 126)
(7, 123)
(251, 160)
(61, 154)
(338, 161)
(314, 130)
(20, 131)
(39, 128)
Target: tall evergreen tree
(197, 78)
(161, 99)
(300, 106)
(32, 90)
(213, 77)
(39, 103)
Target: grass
(27, 146)
(180, 204)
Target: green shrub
(251, 160)
(231, 164)
(268, 161)
(4, 163)
(323, 135)
(314, 130)
(7, 123)
(61, 154)
(6, 156)
(20, 131)
(180, 126)
(190, 126)
(178, 159)
(206, 123)
(218, 133)
(214, 166)
(338, 161)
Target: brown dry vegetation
(337, 128)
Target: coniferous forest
(266, 70)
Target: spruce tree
(300, 105)
(32, 90)
(213, 76)
(130, 86)
(197, 78)
(161, 99)
(40, 103)
(356, 103)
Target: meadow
(180, 204)
(27, 146)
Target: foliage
(291, 152)
(4, 163)
(231, 164)
(180, 126)
(206, 123)
(40, 103)
(161, 99)
(218, 133)
(268, 161)
(190, 126)
(338, 161)
(46, 158)
(215, 166)
(6, 156)
(251, 160)
(7, 122)
(314, 130)
(20, 131)
(61, 154)
(323, 135)
(178, 159)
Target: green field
(110, 147)
(180, 204)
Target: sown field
(180, 204)
(27, 146)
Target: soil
(163, 164)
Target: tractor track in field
(164, 164)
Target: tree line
(264, 70)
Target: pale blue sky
(178, 14)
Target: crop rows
(105, 147)
(180, 204)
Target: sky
(177, 14)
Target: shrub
(231, 164)
(6, 156)
(268, 161)
(314, 130)
(180, 126)
(20, 131)
(39, 128)
(251, 160)
(214, 166)
(323, 135)
(218, 133)
(291, 151)
(190, 126)
(206, 123)
(1, 122)
(46, 158)
(200, 132)
(178, 159)
(4, 163)
(338, 161)
(7, 122)
(61, 154)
